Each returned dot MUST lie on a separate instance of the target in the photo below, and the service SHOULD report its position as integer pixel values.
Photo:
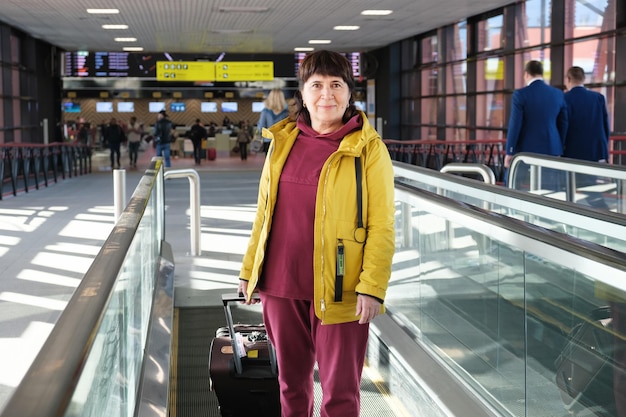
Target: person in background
(321, 287)
(588, 131)
(243, 139)
(135, 130)
(114, 135)
(212, 130)
(197, 134)
(102, 127)
(538, 121)
(275, 109)
(163, 136)
(83, 132)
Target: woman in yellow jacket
(323, 239)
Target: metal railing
(483, 170)
(557, 177)
(27, 166)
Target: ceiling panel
(198, 26)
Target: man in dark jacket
(114, 135)
(588, 132)
(197, 133)
(538, 121)
(163, 137)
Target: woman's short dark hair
(327, 63)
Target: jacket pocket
(348, 263)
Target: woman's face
(326, 98)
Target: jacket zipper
(323, 242)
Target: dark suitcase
(584, 369)
(244, 385)
(211, 154)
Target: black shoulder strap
(359, 192)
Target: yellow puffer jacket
(368, 263)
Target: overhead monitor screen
(104, 107)
(177, 107)
(257, 106)
(70, 107)
(229, 106)
(125, 107)
(208, 107)
(156, 106)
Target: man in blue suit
(538, 121)
(588, 132)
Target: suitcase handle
(234, 297)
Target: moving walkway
(480, 306)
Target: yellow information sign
(244, 71)
(215, 71)
(185, 71)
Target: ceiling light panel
(103, 11)
(109, 27)
(242, 9)
(376, 12)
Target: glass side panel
(594, 195)
(500, 312)
(110, 380)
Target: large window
(457, 81)
(490, 34)
(588, 17)
(533, 24)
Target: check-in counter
(222, 143)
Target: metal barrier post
(119, 191)
(194, 204)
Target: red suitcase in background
(211, 153)
(244, 385)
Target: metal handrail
(481, 169)
(571, 167)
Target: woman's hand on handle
(242, 289)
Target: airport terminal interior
(507, 294)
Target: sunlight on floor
(48, 278)
(28, 344)
(87, 229)
(69, 263)
(34, 301)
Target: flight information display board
(144, 65)
(353, 57)
(97, 64)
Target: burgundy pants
(301, 340)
